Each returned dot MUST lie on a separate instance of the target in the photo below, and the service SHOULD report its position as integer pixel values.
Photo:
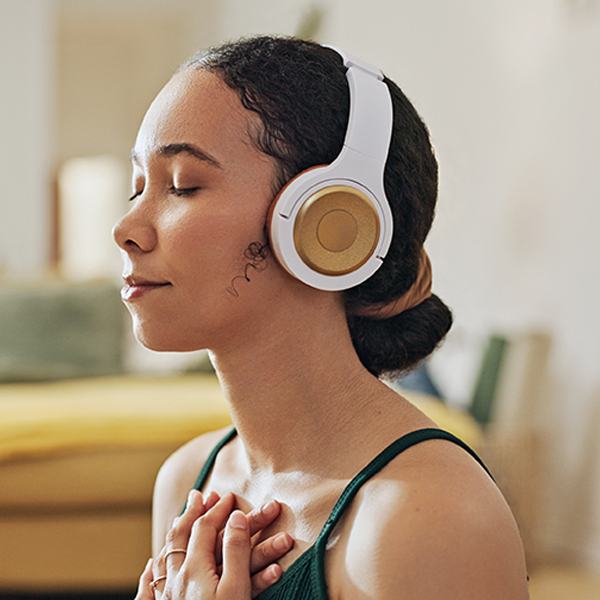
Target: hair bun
(389, 346)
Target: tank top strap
(212, 457)
(378, 463)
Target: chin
(157, 341)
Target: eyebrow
(183, 148)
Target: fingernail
(281, 543)
(273, 573)
(238, 520)
(270, 508)
(212, 499)
(191, 496)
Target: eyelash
(183, 191)
(180, 192)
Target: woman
(299, 366)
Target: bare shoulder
(433, 524)
(175, 479)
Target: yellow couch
(77, 466)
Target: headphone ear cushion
(336, 230)
(283, 203)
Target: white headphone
(331, 226)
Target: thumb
(235, 579)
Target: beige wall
(27, 106)
(113, 57)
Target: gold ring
(175, 551)
(154, 583)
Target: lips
(136, 287)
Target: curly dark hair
(300, 91)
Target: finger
(258, 519)
(212, 499)
(266, 578)
(235, 580)
(193, 497)
(144, 592)
(179, 535)
(158, 564)
(262, 517)
(205, 531)
(194, 507)
(270, 551)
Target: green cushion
(59, 331)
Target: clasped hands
(211, 553)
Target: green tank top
(305, 577)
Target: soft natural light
(91, 192)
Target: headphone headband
(369, 136)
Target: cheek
(214, 244)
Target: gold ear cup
(336, 230)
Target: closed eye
(135, 196)
(183, 191)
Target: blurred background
(510, 90)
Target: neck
(296, 391)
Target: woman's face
(201, 194)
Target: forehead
(197, 107)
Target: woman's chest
(305, 506)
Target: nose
(134, 232)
